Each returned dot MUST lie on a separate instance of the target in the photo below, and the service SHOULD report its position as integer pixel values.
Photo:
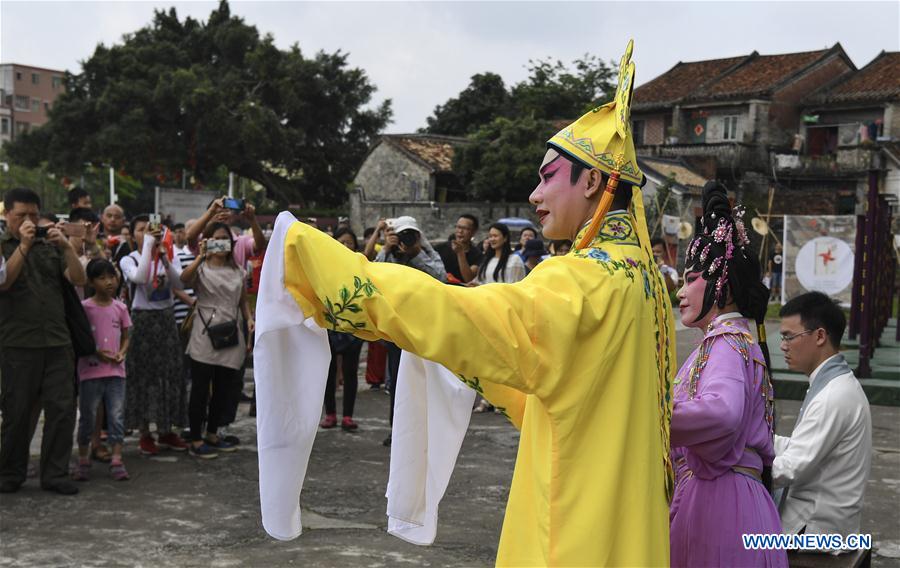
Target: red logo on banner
(698, 130)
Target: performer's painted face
(690, 299)
(560, 204)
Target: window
(637, 128)
(46, 106)
(35, 105)
(56, 81)
(22, 127)
(22, 103)
(729, 131)
(4, 126)
(35, 78)
(18, 76)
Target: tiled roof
(676, 169)
(877, 81)
(760, 74)
(680, 81)
(732, 78)
(434, 151)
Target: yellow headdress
(602, 139)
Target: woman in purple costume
(722, 413)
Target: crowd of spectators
(169, 310)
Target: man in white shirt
(825, 463)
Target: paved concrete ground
(178, 511)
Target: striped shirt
(181, 309)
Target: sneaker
(118, 472)
(348, 424)
(221, 445)
(81, 471)
(330, 421)
(148, 446)
(232, 439)
(203, 451)
(375, 387)
(172, 441)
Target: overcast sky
(420, 54)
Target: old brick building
(411, 174)
(847, 127)
(724, 115)
(26, 95)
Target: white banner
(183, 204)
(818, 255)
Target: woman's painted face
(690, 299)
(496, 239)
(348, 241)
(560, 205)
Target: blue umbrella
(516, 222)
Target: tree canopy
(508, 128)
(184, 94)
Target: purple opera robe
(726, 424)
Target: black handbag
(222, 335)
(79, 326)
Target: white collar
(812, 376)
(729, 316)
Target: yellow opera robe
(572, 354)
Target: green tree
(509, 129)
(183, 94)
(501, 162)
(483, 100)
(553, 91)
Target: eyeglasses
(789, 338)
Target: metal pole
(867, 315)
(112, 186)
(856, 287)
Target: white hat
(406, 222)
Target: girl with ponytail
(723, 409)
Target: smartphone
(73, 229)
(218, 245)
(41, 232)
(234, 204)
(155, 222)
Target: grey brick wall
(387, 174)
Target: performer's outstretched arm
(511, 334)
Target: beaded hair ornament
(721, 236)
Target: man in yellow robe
(579, 355)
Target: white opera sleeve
(291, 361)
(2, 270)
(431, 415)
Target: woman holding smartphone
(217, 347)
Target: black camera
(408, 238)
(233, 204)
(41, 232)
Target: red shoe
(148, 446)
(330, 421)
(172, 441)
(348, 424)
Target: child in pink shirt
(102, 376)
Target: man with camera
(404, 244)
(37, 360)
(461, 258)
